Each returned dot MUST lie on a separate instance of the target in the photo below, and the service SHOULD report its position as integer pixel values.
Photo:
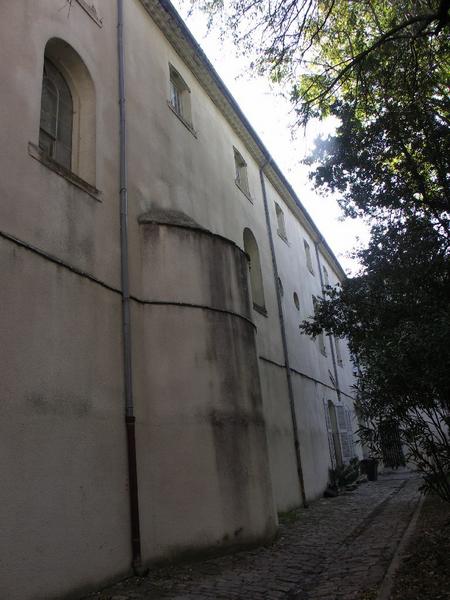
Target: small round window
(296, 301)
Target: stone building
(157, 395)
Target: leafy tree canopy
(381, 67)
(396, 317)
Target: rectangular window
(321, 337)
(240, 167)
(308, 257)
(281, 230)
(326, 281)
(180, 96)
(175, 97)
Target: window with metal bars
(56, 124)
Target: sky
(270, 115)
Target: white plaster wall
(62, 333)
(304, 353)
(39, 205)
(203, 465)
(64, 504)
(202, 445)
(313, 373)
(170, 168)
(312, 433)
(280, 437)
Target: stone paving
(336, 549)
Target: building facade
(156, 266)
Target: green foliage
(290, 517)
(344, 475)
(326, 50)
(381, 67)
(396, 317)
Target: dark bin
(369, 466)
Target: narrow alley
(336, 549)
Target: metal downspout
(284, 341)
(126, 330)
(333, 357)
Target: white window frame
(308, 257)
(281, 224)
(320, 337)
(241, 174)
(180, 97)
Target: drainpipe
(284, 340)
(126, 330)
(333, 357)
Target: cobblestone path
(337, 549)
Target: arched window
(256, 281)
(67, 128)
(55, 132)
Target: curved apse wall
(203, 464)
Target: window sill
(36, 153)
(246, 194)
(260, 309)
(183, 120)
